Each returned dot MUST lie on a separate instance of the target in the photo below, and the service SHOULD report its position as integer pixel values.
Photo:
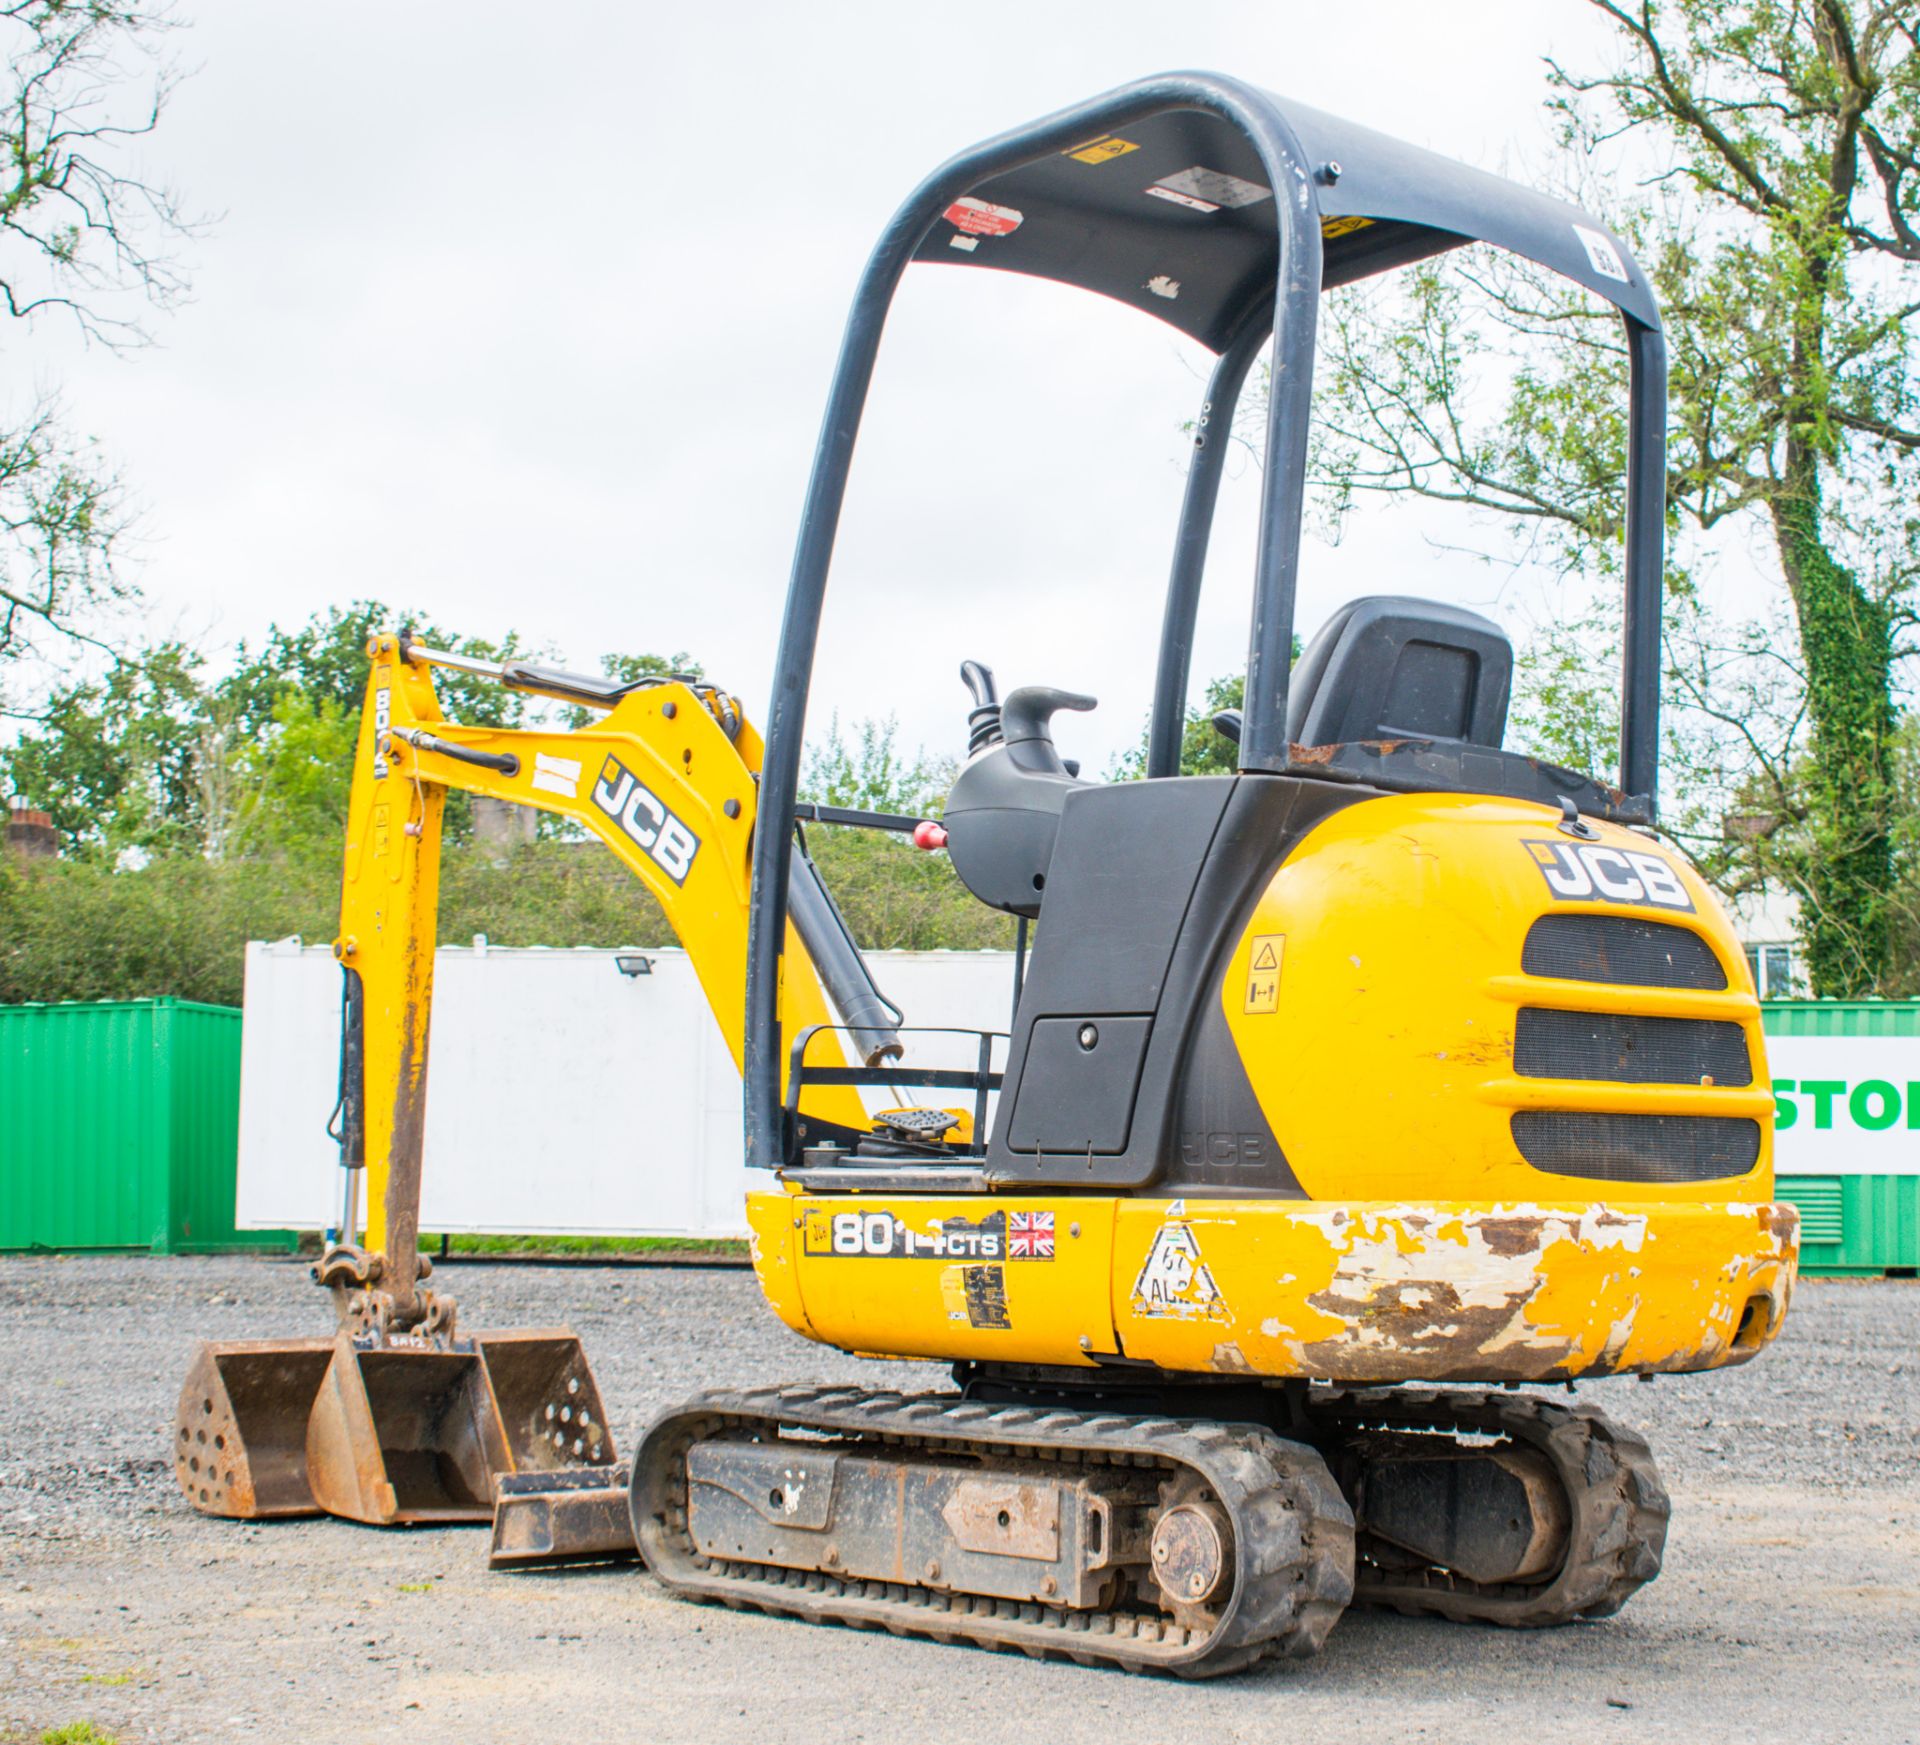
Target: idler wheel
(1190, 1549)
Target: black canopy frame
(1305, 201)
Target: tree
(83, 238)
(893, 895)
(1204, 749)
(157, 757)
(116, 760)
(872, 773)
(1782, 141)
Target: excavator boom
(400, 1415)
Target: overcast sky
(526, 316)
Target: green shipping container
(119, 1127)
(1858, 1221)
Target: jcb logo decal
(621, 795)
(1587, 872)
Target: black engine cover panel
(1149, 889)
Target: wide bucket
(240, 1435)
(403, 1434)
(388, 1435)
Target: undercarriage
(1181, 1528)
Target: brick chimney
(31, 834)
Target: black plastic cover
(1174, 215)
(1151, 886)
(1390, 667)
(1079, 1084)
(1621, 949)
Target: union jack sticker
(1029, 1235)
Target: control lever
(1026, 719)
(1028, 712)
(983, 720)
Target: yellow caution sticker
(1332, 227)
(1100, 151)
(1263, 973)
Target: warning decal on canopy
(972, 217)
(1205, 190)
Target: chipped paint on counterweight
(1393, 1292)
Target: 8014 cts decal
(880, 1235)
(1591, 872)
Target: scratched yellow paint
(1386, 1068)
(1355, 1292)
(667, 735)
(1428, 1249)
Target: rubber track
(1617, 1506)
(1292, 1527)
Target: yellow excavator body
(1373, 998)
(1394, 1057)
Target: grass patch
(718, 1248)
(416, 1587)
(106, 1678)
(78, 1733)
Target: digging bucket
(409, 1434)
(389, 1435)
(240, 1434)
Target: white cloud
(528, 317)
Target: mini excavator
(1344, 1097)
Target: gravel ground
(1789, 1608)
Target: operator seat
(1389, 667)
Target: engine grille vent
(1622, 949)
(1637, 1148)
(1630, 1050)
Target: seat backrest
(1390, 667)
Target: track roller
(1146, 1543)
(1545, 1513)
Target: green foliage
(1566, 702)
(897, 897)
(116, 761)
(1782, 244)
(327, 658)
(893, 895)
(81, 236)
(1204, 749)
(870, 772)
(159, 758)
(200, 814)
(298, 776)
(79, 1733)
(546, 893)
(80, 930)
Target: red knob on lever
(929, 835)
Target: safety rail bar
(982, 1080)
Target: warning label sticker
(1213, 188)
(1101, 151)
(1263, 972)
(1332, 227)
(1602, 256)
(1173, 1282)
(982, 218)
(1174, 197)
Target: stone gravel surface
(1789, 1608)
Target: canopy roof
(1175, 215)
